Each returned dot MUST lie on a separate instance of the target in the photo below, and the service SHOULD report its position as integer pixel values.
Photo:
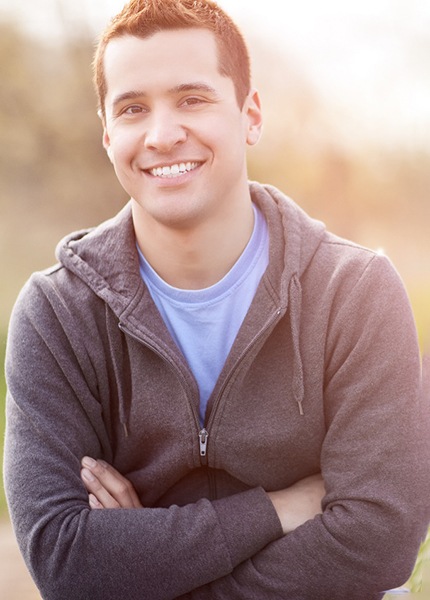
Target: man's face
(173, 129)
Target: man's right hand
(299, 503)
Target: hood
(300, 237)
(295, 231)
(106, 259)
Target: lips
(175, 170)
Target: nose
(164, 131)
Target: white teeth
(174, 170)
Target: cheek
(123, 145)
(123, 158)
(226, 138)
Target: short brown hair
(143, 18)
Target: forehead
(165, 58)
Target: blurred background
(346, 96)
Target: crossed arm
(107, 488)
(374, 465)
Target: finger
(94, 503)
(115, 484)
(97, 491)
(119, 486)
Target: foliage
(54, 172)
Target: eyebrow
(195, 86)
(178, 89)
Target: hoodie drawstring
(295, 306)
(116, 351)
(295, 298)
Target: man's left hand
(106, 487)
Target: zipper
(272, 321)
(202, 433)
(203, 446)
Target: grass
(420, 578)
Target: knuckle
(122, 488)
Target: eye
(193, 100)
(133, 110)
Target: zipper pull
(203, 443)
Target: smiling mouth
(176, 170)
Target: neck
(198, 256)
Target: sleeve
(375, 462)
(75, 553)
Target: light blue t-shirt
(204, 323)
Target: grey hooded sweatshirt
(324, 376)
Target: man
(239, 386)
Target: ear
(252, 109)
(106, 143)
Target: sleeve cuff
(249, 522)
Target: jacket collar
(106, 259)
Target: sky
(371, 57)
